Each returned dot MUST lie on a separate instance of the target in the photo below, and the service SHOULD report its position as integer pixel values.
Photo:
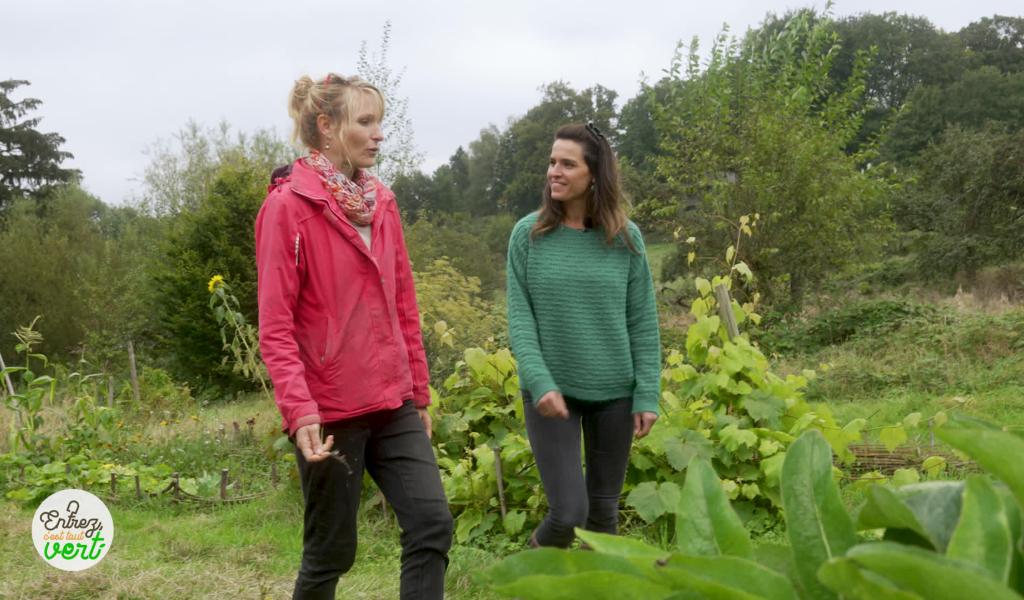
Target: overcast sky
(117, 75)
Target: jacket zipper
(297, 237)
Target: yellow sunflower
(215, 281)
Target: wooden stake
(725, 310)
(110, 391)
(138, 488)
(7, 376)
(113, 484)
(501, 481)
(175, 487)
(223, 484)
(134, 372)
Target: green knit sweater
(582, 316)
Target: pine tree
(29, 159)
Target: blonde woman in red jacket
(340, 334)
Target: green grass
(967, 362)
(249, 550)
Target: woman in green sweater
(584, 330)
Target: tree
(179, 173)
(762, 131)
(639, 151)
(967, 207)
(480, 196)
(399, 155)
(215, 238)
(29, 159)
(79, 264)
(996, 41)
(981, 96)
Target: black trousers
(393, 447)
(575, 500)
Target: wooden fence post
(113, 484)
(138, 488)
(134, 372)
(7, 376)
(725, 310)
(10, 388)
(223, 484)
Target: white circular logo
(72, 530)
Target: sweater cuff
(541, 387)
(645, 402)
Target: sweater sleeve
(642, 325)
(278, 279)
(534, 376)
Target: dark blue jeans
(576, 499)
(393, 447)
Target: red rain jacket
(339, 326)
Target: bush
(834, 327)
(216, 238)
(942, 540)
(453, 315)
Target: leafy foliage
(979, 519)
(762, 130)
(215, 237)
(968, 206)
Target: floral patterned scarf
(357, 199)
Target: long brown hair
(605, 202)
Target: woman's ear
(324, 125)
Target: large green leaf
(928, 574)
(996, 450)
(725, 577)
(594, 585)
(818, 526)
(706, 524)
(844, 577)
(682, 448)
(651, 499)
(930, 510)
(984, 535)
(553, 561)
(624, 547)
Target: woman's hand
(427, 423)
(307, 438)
(552, 404)
(642, 423)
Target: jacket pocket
(328, 352)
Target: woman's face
(568, 174)
(362, 137)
